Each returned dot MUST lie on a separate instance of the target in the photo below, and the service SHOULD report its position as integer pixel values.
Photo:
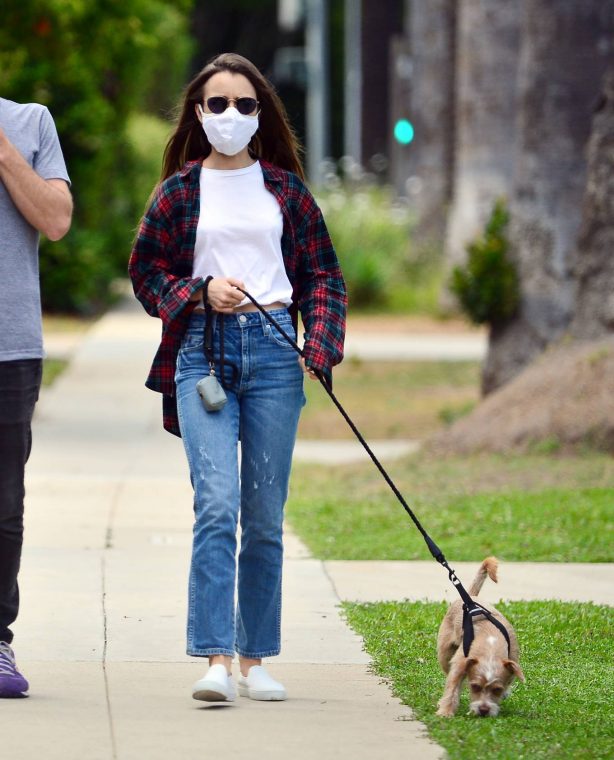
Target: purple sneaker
(12, 683)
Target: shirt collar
(189, 166)
(270, 172)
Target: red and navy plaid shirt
(162, 260)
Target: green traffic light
(403, 131)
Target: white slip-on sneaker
(258, 684)
(215, 686)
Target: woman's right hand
(223, 295)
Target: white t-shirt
(239, 233)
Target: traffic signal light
(403, 131)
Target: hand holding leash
(307, 370)
(224, 294)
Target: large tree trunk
(382, 20)
(566, 47)
(431, 33)
(594, 270)
(488, 46)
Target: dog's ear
(467, 663)
(514, 668)
(457, 672)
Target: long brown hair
(274, 141)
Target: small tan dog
(488, 669)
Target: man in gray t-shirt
(34, 198)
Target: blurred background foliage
(372, 233)
(100, 66)
(111, 72)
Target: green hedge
(94, 64)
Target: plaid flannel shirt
(161, 265)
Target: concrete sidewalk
(103, 583)
(441, 347)
(364, 581)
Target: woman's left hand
(308, 370)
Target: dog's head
(489, 681)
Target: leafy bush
(94, 63)
(146, 135)
(371, 234)
(487, 286)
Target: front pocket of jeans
(191, 342)
(275, 336)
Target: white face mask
(229, 132)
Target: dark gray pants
(19, 386)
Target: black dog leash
(208, 342)
(471, 608)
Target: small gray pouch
(211, 393)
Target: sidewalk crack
(104, 658)
(331, 581)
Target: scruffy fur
(488, 670)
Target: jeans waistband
(242, 319)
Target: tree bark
(594, 270)
(566, 47)
(381, 21)
(488, 46)
(431, 33)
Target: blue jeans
(263, 407)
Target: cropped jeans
(265, 397)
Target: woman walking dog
(231, 211)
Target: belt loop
(264, 323)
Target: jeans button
(242, 318)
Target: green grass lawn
(61, 324)
(538, 507)
(52, 368)
(521, 508)
(563, 711)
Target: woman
(231, 211)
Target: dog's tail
(487, 568)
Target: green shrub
(487, 286)
(76, 272)
(371, 234)
(94, 64)
(146, 135)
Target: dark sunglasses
(219, 103)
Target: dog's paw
(446, 711)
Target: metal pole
(318, 118)
(352, 138)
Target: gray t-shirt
(31, 130)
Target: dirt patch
(565, 399)
(396, 400)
